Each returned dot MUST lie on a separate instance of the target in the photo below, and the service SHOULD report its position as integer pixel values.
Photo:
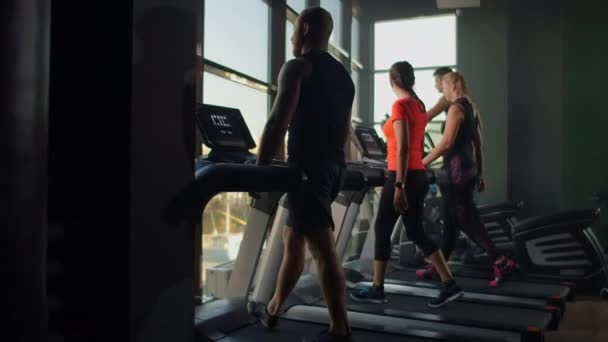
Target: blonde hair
(458, 80)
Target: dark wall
(24, 41)
(161, 161)
(537, 71)
(482, 57)
(89, 197)
(535, 109)
(585, 151)
(122, 99)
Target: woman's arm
(478, 144)
(452, 125)
(402, 137)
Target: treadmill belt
(289, 330)
(507, 288)
(469, 314)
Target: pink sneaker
(427, 273)
(502, 270)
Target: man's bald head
(313, 27)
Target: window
(335, 8)
(430, 42)
(288, 45)
(355, 110)
(224, 221)
(424, 42)
(354, 43)
(236, 74)
(297, 5)
(252, 103)
(236, 35)
(356, 66)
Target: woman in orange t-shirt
(405, 189)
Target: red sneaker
(427, 273)
(502, 270)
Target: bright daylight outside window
(288, 45)
(354, 45)
(297, 5)
(233, 27)
(335, 8)
(427, 43)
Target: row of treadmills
(557, 255)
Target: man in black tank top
(314, 100)
(442, 104)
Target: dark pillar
(23, 181)
(161, 162)
(89, 169)
(122, 141)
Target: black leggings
(461, 212)
(416, 187)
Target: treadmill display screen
(371, 143)
(223, 127)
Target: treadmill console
(369, 143)
(224, 130)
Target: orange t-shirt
(413, 112)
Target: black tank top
(463, 144)
(319, 128)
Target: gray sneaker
(451, 291)
(371, 294)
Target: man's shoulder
(297, 66)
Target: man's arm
(452, 125)
(283, 109)
(442, 105)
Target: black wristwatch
(399, 185)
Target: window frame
(437, 120)
(218, 69)
(242, 78)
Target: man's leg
(322, 247)
(290, 271)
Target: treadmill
(547, 297)
(476, 311)
(228, 319)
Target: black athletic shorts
(310, 206)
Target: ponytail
(402, 74)
(411, 91)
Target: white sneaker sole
(450, 299)
(375, 301)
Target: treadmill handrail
(224, 177)
(191, 200)
(585, 215)
(506, 206)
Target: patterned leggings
(461, 211)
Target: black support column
(161, 161)
(23, 126)
(121, 144)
